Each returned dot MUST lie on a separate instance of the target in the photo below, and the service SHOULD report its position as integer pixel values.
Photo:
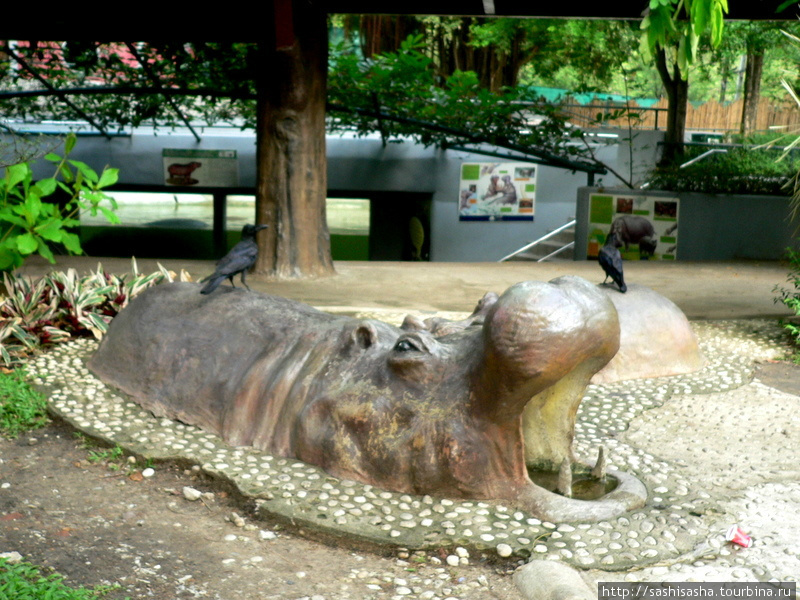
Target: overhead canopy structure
(149, 23)
(618, 9)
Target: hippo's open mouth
(557, 487)
(459, 409)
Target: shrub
(61, 306)
(741, 170)
(790, 296)
(35, 216)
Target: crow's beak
(260, 227)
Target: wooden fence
(709, 116)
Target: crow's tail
(213, 283)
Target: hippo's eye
(405, 346)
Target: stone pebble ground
(679, 533)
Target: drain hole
(584, 486)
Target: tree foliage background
(472, 79)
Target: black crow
(611, 261)
(241, 257)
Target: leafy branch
(399, 95)
(35, 215)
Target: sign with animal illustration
(497, 192)
(644, 227)
(208, 168)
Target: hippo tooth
(565, 479)
(599, 470)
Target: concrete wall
(366, 165)
(713, 227)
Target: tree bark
(384, 33)
(752, 91)
(291, 181)
(677, 89)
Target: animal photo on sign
(180, 174)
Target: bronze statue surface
(450, 409)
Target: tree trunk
(752, 91)
(291, 182)
(677, 89)
(384, 33)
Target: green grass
(23, 581)
(21, 407)
(107, 455)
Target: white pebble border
(670, 525)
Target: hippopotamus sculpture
(635, 229)
(454, 409)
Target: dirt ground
(782, 375)
(62, 510)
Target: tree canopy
(400, 94)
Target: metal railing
(556, 252)
(544, 238)
(703, 155)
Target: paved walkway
(703, 290)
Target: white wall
(366, 164)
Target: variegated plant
(63, 305)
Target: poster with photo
(646, 226)
(497, 192)
(207, 168)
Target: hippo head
(461, 408)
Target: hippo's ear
(413, 323)
(364, 335)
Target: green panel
(601, 209)
(470, 172)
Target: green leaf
(33, 208)
(108, 177)
(51, 231)
(45, 187)
(16, 173)
(8, 259)
(110, 215)
(8, 217)
(69, 143)
(66, 173)
(72, 242)
(45, 252)
(55, 158)
(717, 24)
(26, 243)
(87, 172)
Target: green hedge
(741, 170)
